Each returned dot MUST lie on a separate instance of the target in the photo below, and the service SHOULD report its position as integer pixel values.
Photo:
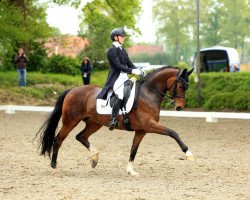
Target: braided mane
(149, 75)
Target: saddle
(128, 85)
(131, 94)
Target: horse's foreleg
(155, 127)
(136, 142)
(83, 136)
(183, 147)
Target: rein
(166, 97)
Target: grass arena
(221, 169)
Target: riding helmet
(116, 32)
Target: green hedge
(220, 91)
(63, 65)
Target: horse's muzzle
(179, 108)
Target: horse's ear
(190, 71)
(183, 73)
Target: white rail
(210, 116)
(11, 109)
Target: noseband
(167, 97)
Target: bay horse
(79, 104)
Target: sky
(66, 19)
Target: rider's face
(121, 38)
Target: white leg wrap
(94, 157)
(93, 150)
(130, 169)
(189, 155)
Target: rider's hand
(143, 73)
(137, 72)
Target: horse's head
(177, 86)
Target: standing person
(120, 66)
(86, 69)
(21, 62)
(235, 68)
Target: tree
(224, 22)
(176, 22)
(235, 24)
(100, 17)
(22, 23)
(211, 12)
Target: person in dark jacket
(120, 66)
(21, 62)
(86, 69)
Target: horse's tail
(48, 129)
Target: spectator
(86, 69)
(235, 68)
(21, 62)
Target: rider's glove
(143, 73)
(137, 72)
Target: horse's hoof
(93, 163)
(94, 160)
(53, 164)
(132, 172)
(189, 155)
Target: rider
(120, 66)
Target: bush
(63, 65)
(100, 65)
(235, 100)
(7, 56)
(37, 57)
(34, 50)
(221, 91)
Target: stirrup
(113, 124)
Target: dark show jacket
(119, 62)
(21, 61)
(86, 68)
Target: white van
(218, 58)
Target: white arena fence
(210, 116)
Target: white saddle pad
(103, 106)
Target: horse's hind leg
(62, 134)
(83, 136)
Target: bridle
(167, 97)
(181, 80)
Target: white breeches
(119, 85)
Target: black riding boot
(115, 112)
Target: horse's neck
(157, 85)
(159, 81)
